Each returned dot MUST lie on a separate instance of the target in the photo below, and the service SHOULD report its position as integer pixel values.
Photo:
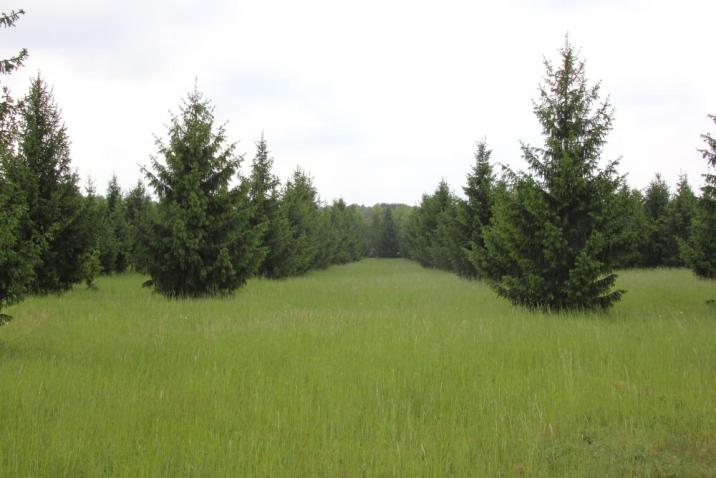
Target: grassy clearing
(375, 368)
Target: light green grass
(376, 368)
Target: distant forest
(550, 237)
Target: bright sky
(378, 100)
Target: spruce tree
(301, 203)
(434, 243)
(356, 233)
(326, 237)
(655, 251)
(269, 215)
(375, 230)
(680, 215)
(700, 253)
(19, 252)
(116, 222)
(635, 227)
(138, 210)
(388, 245)
(554, 236)
(476, 212)
(55, 205)
(342, 235)
(201, 242)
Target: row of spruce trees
(551, 237)
(209, 229)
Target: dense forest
(207, 219)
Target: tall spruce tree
(553, 238)
(202, 242)
(341, 236)
(55, 205)
(19, 253)
(679, 217)
(700, 252)
(374, 230)
(117, 224)
(269, 215)
(434, 244)
(655, 251)
(636, 228)
(388, 245)
(138, 209)
(476, 213)
(301, 203)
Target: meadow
(375, 368)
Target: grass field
(375, 368)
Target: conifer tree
(55, 205)
(635, 227)
(138, 209)
(269, 215)
(341, 235)
(476, 212)
(201, 242)
(388, 245)
(326, 237)
(301, 203)
(116, 221)
(680, 215)
(434, 244)
(19, 253)
(655, 250)
(374, 230)
(356, 233)
(700, 253)
(553, 240)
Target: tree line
(549, 237)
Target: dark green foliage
(269, 215)
(301, 205)
(555, 234)
(201, 242)
(388, 243)
(432, 242)
(108, 228)
(341, 235)
(446, 232)
(383, 226)
(700, 252)
(475, 213)
(635, 228)
(139, 211)
(19, 253)
(655, 248)
(679, 218)
(55, 206)
(114, 257)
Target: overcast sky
(378, 100)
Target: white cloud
(377, 100)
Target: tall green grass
(375, 368)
